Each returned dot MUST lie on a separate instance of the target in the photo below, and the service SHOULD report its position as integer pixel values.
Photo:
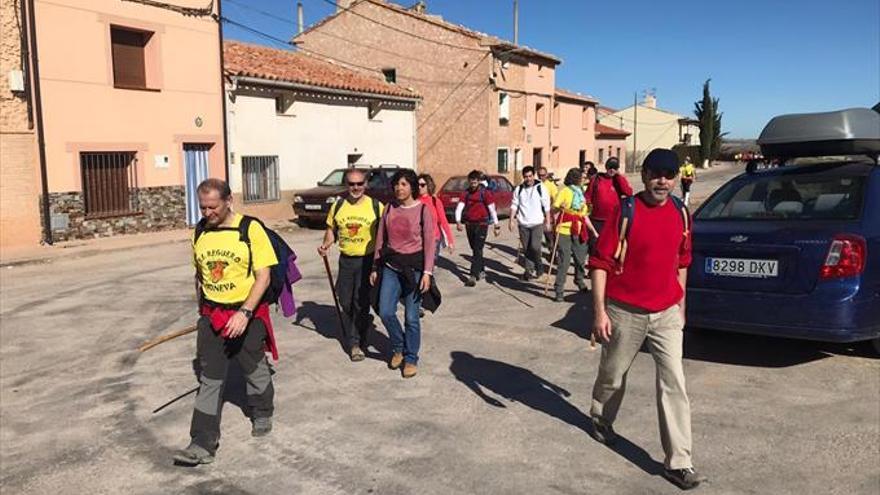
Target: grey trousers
(570, 247)
(530, 240)
(630, 327)
(214, 353)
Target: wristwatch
(246, 312)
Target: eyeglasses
(666, 174)
(423, 184)
(356, 184)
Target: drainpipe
(41, 138)
(25, 63)
(222, 92)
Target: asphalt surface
(498, 406)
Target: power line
(257, 32)
(403, 31)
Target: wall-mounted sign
(160, 161)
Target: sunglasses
(666, 174)
(356, 184)
(423, 184)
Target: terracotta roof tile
(244, 59)
(611, 132)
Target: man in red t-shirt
(644, 276)
(476, 207)
(604, 193)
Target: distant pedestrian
(231, 277)
(403, 267)
(639, 274)
(688, 176)
(604, 193)
(476, 208)
(442, 232)
(530, 209)
(574, 230)
(549, 184)
(353, 221)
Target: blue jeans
(391, 291)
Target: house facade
(486, 103)
(131, 113)
(293, 118)
(650, 127)
(610, 142)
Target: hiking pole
(165, 338)
(553, 255)
(333, 290)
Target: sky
(764, 58)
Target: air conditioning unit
(16, 81)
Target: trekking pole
(333, 290)
(553, 254)
(165, 338)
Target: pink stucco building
(129, 111)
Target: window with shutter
(129, 57)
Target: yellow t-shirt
(552, 189)
(356, 226)
(687, 171)
(221, 259)
(563, 202)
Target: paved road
(498, 406)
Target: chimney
(420, 7)
(651, 101)
(299, 17)
(343, 5)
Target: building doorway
(195, 158)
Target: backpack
(283, 252)
(338, 204)
(627, 212)
(540, 195)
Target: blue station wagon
(794, 250)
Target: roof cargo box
(855, 131)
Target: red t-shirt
(475, 209)
(657, 248)
(603, 195)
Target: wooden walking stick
(165, 338)
(333, 290)
(553, 254)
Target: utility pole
(299, 17)
(635, 163)
(516, 22)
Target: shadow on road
(487, 376)
(759, 351)
(325, 322)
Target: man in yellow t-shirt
(688, 175)
(354, 222)
(235, 325)
(573, 230)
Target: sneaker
(261, 426)
(603, 432)
(526, 276)
(470, 282)
(357, 354)
(410, 370)
(685, 479)
(582, 287)
(396, 360)
(193, 455)
(559, 298)
(481, 275)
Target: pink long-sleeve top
(408, 230)
(441, 225)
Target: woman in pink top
(442, 232)
(405, 248)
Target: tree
(707, 113)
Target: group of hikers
(638, 247)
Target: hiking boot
(470, 282)
(603, 432)
(685, 479)
(410, 370)
(261, 426)
(193, 455)
(396, 360)
(357, 354)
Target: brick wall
(19, 180)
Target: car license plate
(313, 207)
(738, 267)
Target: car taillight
(846, 257)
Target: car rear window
(797, 197)
(455, 184)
